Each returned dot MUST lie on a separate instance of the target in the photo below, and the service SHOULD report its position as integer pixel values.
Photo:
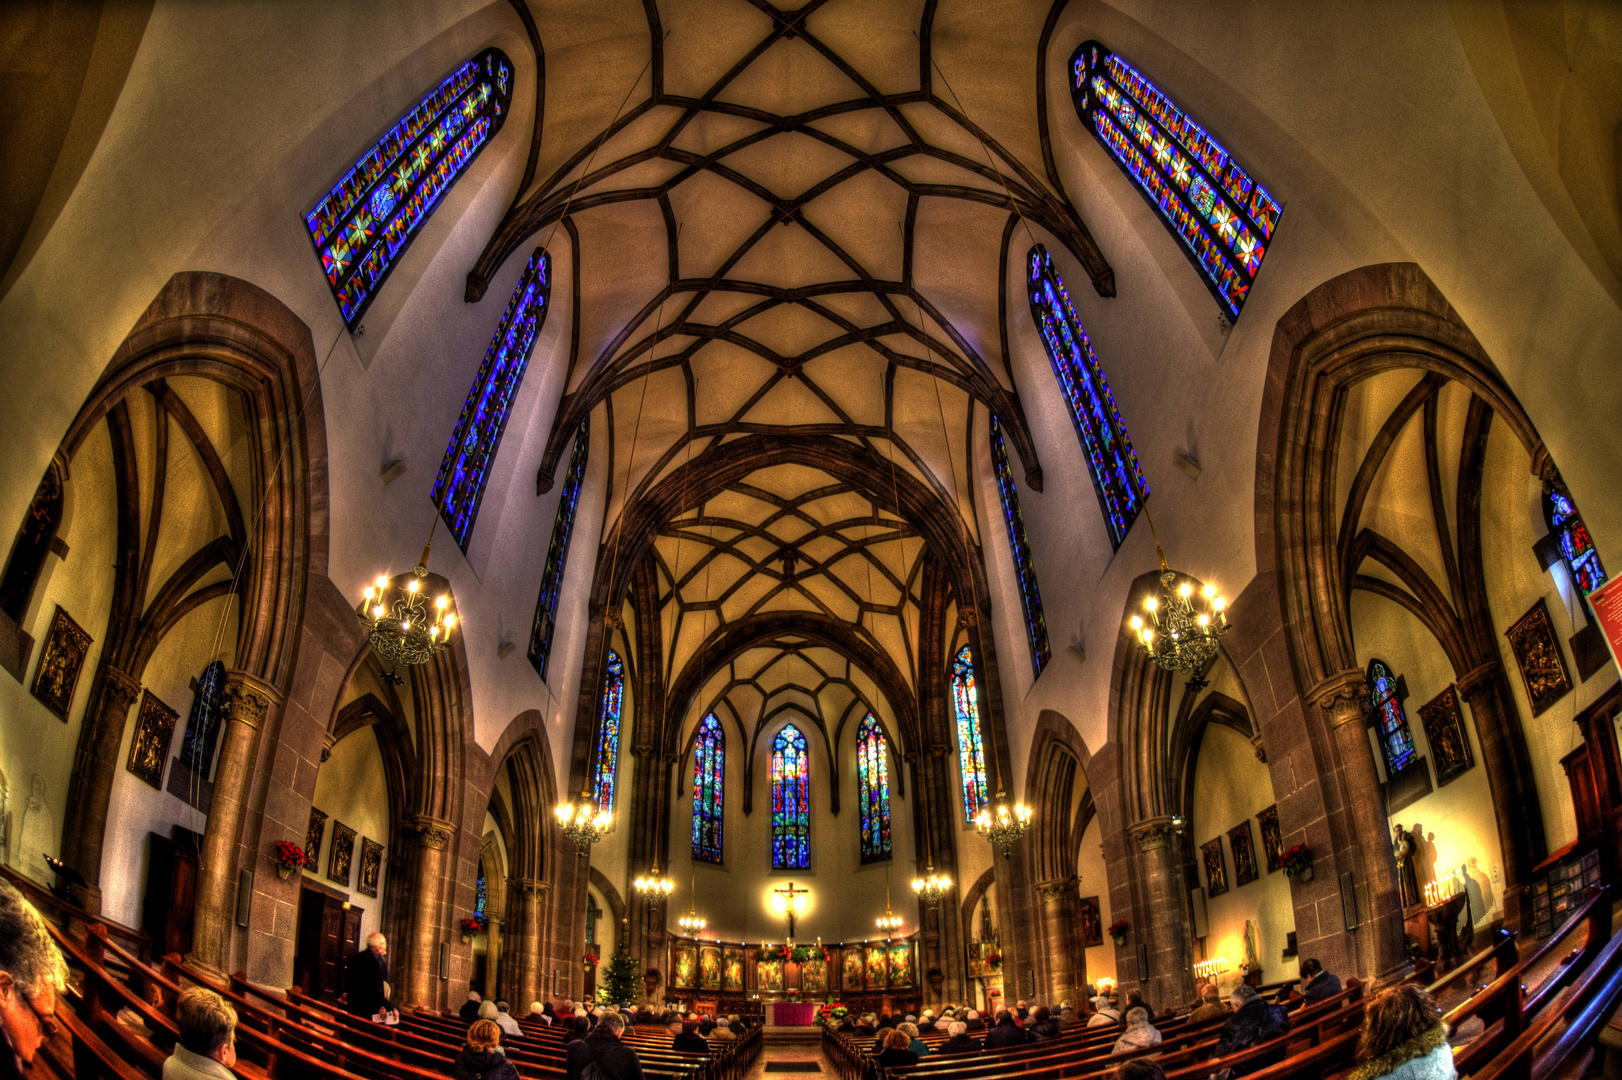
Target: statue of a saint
(1407, 875)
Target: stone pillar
(1378, 941)
(495, 910)
(245, 702)
(1059, 910)
(418, 970)
(524, 959)
(1167, 934)
(90, 789)
(1482, 691)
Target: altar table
(794, 1013)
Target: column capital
(1478, 681)
(1152, 834)
(529, 887)
(119, 687)
(1057, 888)
(434, 833)
(1341, 697)
(248, 698)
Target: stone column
(1378, 940)
(245, 702)
(1059, 910)
(1482, 691)
(524, 961)
(495, 904)
(90, 789)
(1168, 935)
(418, 970)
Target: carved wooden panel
(1272, 838)
(1244, 854)
(343, 853)
(1444, 730)
(314, 833)
(149, 749)
(1537, 654)
(60, 662)
(371, 867)
(1216, 873)
(1092, 923)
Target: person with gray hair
(604, 1049)
(32, 974)
(368, 973)
(207, 1047)
(958, 1041)
(1139, 1032)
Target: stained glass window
(971, 747)
(791, 801)
(1576, 546)
(460, 485)
(203, 725)
(607, 753)
(1223, 217)
(873, 785)
(709, 771)
(557, 554)
(365, 223)
(1030, 597)
(481, 893)
(33, 542)
(1390, 721)
(1116, 477)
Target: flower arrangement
(772, 952)
(473, 924)
(589, 962)
(1117, 930)
(1296, 862)
(839, 1012)
(801, 953)
(289, 857)
(994, 958)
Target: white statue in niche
(38, 836)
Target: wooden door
(332, 943)
(169, 905)
(348, 944)
(307, 943)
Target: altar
(793, 1013)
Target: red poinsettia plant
(589, 962)
(1296, 860)
(291, 855)
(473, 924)
(1118, 929)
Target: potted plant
(839, 1012)
(1118, 929)
(1297, 862)
(473, 924)
(589, 963)
(289, 858)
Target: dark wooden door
(348, 944)
(307, 944)
(169, 905)
(328, 935)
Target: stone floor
(782, 1050)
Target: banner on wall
(1606, 603)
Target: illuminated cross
(788, 895)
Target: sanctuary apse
(964, 501)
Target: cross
(788, 895)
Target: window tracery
(1390, 719)
(1030, 597)
(459, 487)
(970, 736)
(1116, 476)
(709, 774)
(203, 724)
(791, 801)
(557, 554)
(873, 787)
(1223, 217)
(1577, 549)
(606, 756)
(369, 218)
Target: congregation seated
(207, 1046)
(897, 1050)
(1253, 1021)
(1134, 1000)
(914, 1042)
(685, 1037)
(958, 1040)
(706, 1024)
(1105, 1014)
(1404, 1038)
(1006, 1033)
(604, 1046)
(578, 1026)
(1316, 983)
(1067, 1016)
(723, 1032)
(32, 974)
(541, 1013)
(1210, 1005)
(1043, 1025)
(1021, 1011)
(1139, 1032)
(490, 1011)
(926, 1022)
(483, 1058)
(470, 1007)
(975, 1024)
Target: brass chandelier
(654, 885)
(932, 886)
(582, 822)
(406, 629)
(1003, 823)
(1183, 628)
(889, 922)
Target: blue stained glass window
(709, 772)
(557, 554)
(1223, 217)
(1391, 722)
(971, 748)
(1030, 597)
(873, 785)
(203, 725)
(607, 753)
(1576, 546)
(1116, 477)
(369, 218)
(481, 893)
(460, 484)
(791, 801)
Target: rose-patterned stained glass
(1576, 546)
(1223, 217)
(1391, 722)
(1030, 597)
(873, 787)
(1116, 476)
(971, 747)
(791, 801)
(709, 774)
(557, 554)
(459, 486)
(606, 756)
(369, 218)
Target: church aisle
(785, 1058)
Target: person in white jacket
(1139, 1032)
(1404, 1038)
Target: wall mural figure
(38, 837)
(1092, 923)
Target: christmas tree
(620, 981)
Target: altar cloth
(794, 1013)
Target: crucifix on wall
(788, 896)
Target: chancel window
(1116, 477)
(203, 725)
(606, 757)
(557, 554)
(873, 785)
(791, 801)
(970, 738)
(1223, 218)
(462, 475)
(709, 773)
(1576, 546)
(1036, 627)
(1390, 720)
(363, 226)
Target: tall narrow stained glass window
(1223, 217)
(1030, 597)
(557, 554)
(709, 774)
(369, 218)
(481, 893)
(203, 725)
(791, 801)
(459, 486)
(1576, 546)
(971, 748)
(873, 785)
(1390, 720)
(1116, 477)
(605, 758)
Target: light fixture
(1003, 823)
(582, 822)
(889, 922)
(691, 923)
(1209, 969)
(1181, 628)
(931, 887)
(407, 629)
(654, 886)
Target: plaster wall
(1094, 879)
(350, 789)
